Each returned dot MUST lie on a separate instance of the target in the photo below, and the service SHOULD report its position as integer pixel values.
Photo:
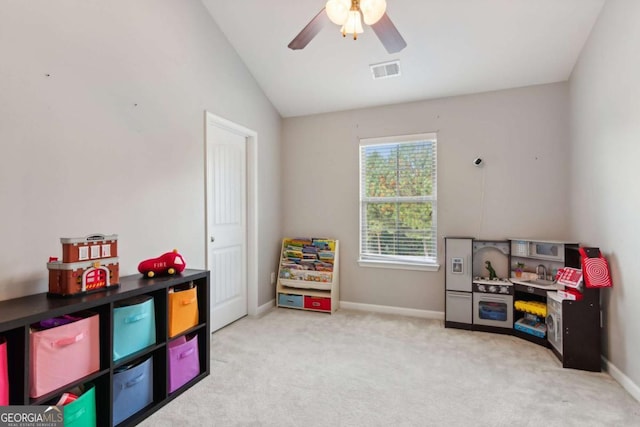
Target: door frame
(251, 137)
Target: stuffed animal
(167, 263)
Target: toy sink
(540, 283)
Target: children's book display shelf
(308, 274)
(18, 315)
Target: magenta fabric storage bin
(63, 354)
(184, 361)
(4, 374)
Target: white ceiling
(454, 47)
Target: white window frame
(95, 251)
(398, 262)
(106, 250)
(83, 253)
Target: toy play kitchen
(510, 287)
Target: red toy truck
(167, 263)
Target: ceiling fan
(348, 14)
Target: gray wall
(605, 125)
(102, 130)
(112, 141)
(522, 135)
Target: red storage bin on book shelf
(63, 354)
(317, 303)
(4, 374)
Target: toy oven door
(493, 310)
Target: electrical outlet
(273, 277)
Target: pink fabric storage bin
(184, 361)
(4, 374)
(63, 354)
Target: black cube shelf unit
(16, 316)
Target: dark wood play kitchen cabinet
(130, 350)
(517, 295)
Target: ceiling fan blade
(310, 31)
(389, 35)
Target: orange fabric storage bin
(63, 354)
(183, 310)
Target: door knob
(213, 239)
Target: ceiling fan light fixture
(348, 14)
(353, 24)
(372, 10)
(338, 10)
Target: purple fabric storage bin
(184, 361)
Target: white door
(227, 223)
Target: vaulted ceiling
(454, 47)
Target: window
(95, 251)
(106, 251)
(83, 253)
(398, 202)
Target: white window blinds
(398, 199)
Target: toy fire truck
(89, 264)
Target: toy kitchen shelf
(308, 274)
(17, 315)
(531, 299)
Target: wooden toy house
(88, 264)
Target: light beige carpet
(296, 368)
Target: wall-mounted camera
(477, 161)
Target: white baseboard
(622, 379)
(412, 312)
(265, 307)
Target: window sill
(398, 265)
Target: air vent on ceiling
(385, 69)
